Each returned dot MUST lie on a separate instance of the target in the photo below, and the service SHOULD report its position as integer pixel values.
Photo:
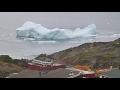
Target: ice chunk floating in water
(38, 32)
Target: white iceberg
(37, 31)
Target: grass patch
(6, 58)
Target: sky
(103, 20)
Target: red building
(59, 70)
(33, 66)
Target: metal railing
(42, 62)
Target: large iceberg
(37, 31)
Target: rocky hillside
(9, 65)
(97, 55)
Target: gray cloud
(62, 19)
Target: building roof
(26, 74)
(59, 73)
(112, 74)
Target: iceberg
(38, 32)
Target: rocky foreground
(9, 65)
(97, 55)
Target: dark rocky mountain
(97, 55)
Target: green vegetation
(6, 58)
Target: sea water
(107, 23)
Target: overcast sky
(61, 19)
